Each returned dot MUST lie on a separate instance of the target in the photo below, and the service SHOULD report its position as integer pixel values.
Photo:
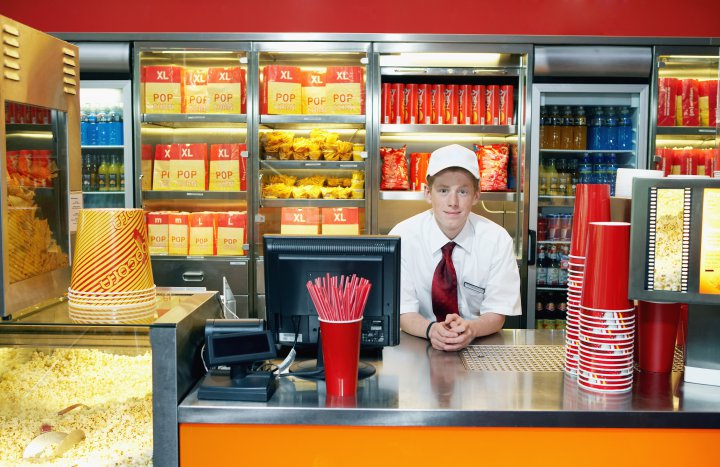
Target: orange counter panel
(360, 446)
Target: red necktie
(444, 285)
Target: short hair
(475, 185)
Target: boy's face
(453, 194)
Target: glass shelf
(557, 289)
(315, 202)
(97, 146)
(553, 242)
(203, 258)
(420, 196)
(590, 151)
(288, 165)
(103, 192)
(506, 130)
(687, 130)
(304, 121)
(171, 195)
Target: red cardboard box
(164, 155)
(667, 90)
(313, 92)
(195, 91)
(492, 105)
(450, 104)
(157, 223)
(344, 90)
(188, 169)
(163, 89)
(227, 93)
(282, 90)
(477, 105)
(410, 104)
(340, 221)
(386, 103)
(396, 102)
(423, 99)
(202, 234)
(301, 221)
(464, 116)
(437, 97)
(418, 170)
(178, 233)
(690, 99)
(146, 166)
(228, 168)
(231, 233)
(506, 105)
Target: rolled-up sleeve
(502, 293)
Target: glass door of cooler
(192, 131)
(685, 107)
(432, 95)
(585, 132)
(106, 143)
(311, 157)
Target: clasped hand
(453, 334)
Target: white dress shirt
(487, 273)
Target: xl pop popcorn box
(195, 95)
(313, 92)
(227, 93)
(178, 233)
(164, 155)
(163, 89)
(146, 166)
(231, 233)
(202, 234)
(187, 168)
(344, 90)
(340, 221)
(282, 90)
(158, 233)
(302, 221)
(228, 168)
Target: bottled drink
(625, 130)
(611, 172)
(541, 267)
(83, 128)
(566, 130)
(553, 226)
(572, 169)
(610, 129)
(594, 130)
(92, 129)
(598, 175)
(585, 171)
(580, 129)
(539, 312)
(542, 228)
(543, 121)
(87, 167)
(550, 312)
(543, 180)
(103, 136)
(552, 178)
(112, 175)
(553, 130)
(563, 177)
(121, 174)
(102, 174)
(93, 172)
(553, 269)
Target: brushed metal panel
(104, 57)
(605, 61)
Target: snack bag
(202, 234)
(231, 232)
(178, 233)
(157, 224)
(164, 155)
(688, 113)
(187, 168)
(146, 166)
(340, 221)
(163, 89)
(282, 90)
(493, 164)
(708, 102)
(227, 168)
(313, 92)
(195, 91)
(394, 171)
(344, 90)
(226, 90)
(667, 90)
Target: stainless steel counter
(418, 386)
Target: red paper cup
(605, 285)
(654, 390)
(341, 354)
(592, 204)
(657, 331)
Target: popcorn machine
(675, 245)
(40, 140)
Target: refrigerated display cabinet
(108, 393)
(482, 89)
(191, 128)
(313, 116)
(684, 130)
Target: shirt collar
(438, 239)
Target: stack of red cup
(592, 204)
(607, 317)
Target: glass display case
(79, 394)
(685, 130)
(192, 129)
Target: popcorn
(115, 391)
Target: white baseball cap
(453, 155)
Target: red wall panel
(694, 18)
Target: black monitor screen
(233, 348)
(292, 261)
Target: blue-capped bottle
(611, 172)
(594, 131)
(116, 124)
(585, 169)
(103, 137)
(625, 130)
(92, 129)
(83, 128)
(610, 129)
(598, 168)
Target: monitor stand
(238, 384)
(315, 369)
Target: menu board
(710, 246)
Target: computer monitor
(293, 260)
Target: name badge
(474, 288)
